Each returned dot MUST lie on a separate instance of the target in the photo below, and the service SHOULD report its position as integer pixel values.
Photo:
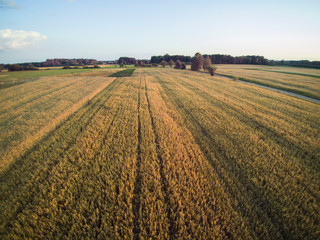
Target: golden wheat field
(297, 80)
(163, 154)
(29, 111)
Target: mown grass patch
(123, 73)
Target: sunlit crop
(168, 154)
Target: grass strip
(303, 93)
(284, 72)
(123, 73)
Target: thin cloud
(18, 39)
(8, 4)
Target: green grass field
(123, 73)
(163, 154)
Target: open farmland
(9, 79)
(31, 109)
(297, 80)
(163, 154)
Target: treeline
(56, 62)
(227, 59)
(131, 61)
(168, 58)
(67, 62)
(19, 67)
(301, 63)
(215, 59)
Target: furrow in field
(34, 122)
(153, 209)
(224, 170)
(164, 182)
(304, 85)
(288, 133)
(38, 91)
(260, 122)
(276, 190)
(138, 179)
(31, 175)
(199, 206)
(268, 123)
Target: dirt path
(277, 90)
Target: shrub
(163, 63)
(212, 70)
(171, 63)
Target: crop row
(170, 154)
(262, 147)
(31, 110)
(300, 83)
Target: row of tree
(168, 58)
(18, 67)
(227, 59)
(67, 62)
(177, 65)
(56, 62)
(215, 59)
(301, 63)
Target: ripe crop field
(170, 154)
(9, 79)
(297, 80)
(30, 110)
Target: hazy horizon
(36, 30)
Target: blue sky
(34, 30)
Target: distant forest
(227, 59)
(56, 62)
(301, 63)
(215, 59)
